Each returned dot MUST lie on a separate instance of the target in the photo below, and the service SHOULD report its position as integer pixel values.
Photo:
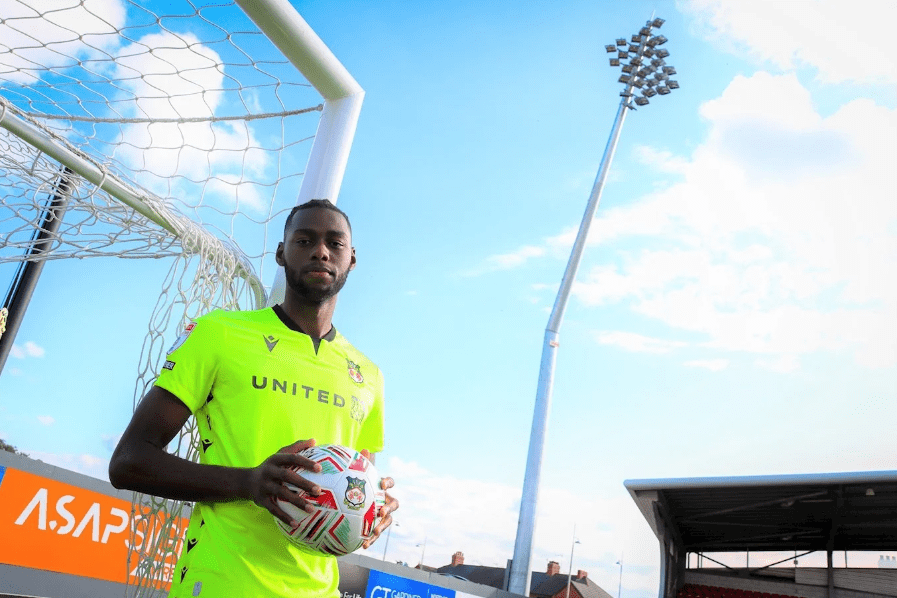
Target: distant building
(887, 562)
(550, 584)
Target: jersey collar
(289, 323)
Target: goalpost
(173, 129)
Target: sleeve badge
(181, 339)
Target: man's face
(316, 254)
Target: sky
(734, 312)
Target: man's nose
(320, 251)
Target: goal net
(161, 129)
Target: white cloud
(636, 342)
(183, 79)
(52, 35)
(29, 349)
(85, 463)
(783, 364)
(46, 420)
(779, 239)
(714, 365)
(507, 261)
(32, 349)
(839, 39)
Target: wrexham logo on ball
(355, 493)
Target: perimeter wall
(67, 535)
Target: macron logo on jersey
(271, 342)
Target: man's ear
(353, 261)
(278, 254)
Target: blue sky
(734, 313)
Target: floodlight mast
(521, 564)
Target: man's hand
(386, 510)
(266, 482)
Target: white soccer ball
(346, 512)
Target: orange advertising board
(52, 526)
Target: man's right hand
(267, 482)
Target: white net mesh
(170, 129)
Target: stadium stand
(802, 513)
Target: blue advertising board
(384, 585)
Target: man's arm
(141, 463)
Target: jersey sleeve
(372, 432)
(192, 362)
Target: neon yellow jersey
(255, 384)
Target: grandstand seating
(691, 590)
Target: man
(222, 370)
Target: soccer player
(262, 385)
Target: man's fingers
(299, 445)
(292, 477)
(386, 483)
(293, 460)
(275, 510)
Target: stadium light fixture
(521, 563)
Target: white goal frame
(343, 97)
(281, 23)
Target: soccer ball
(347, 509)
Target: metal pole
(388, 533)
(620, 583)
(422, 550)
(570, 570)
(523, 545)
(19, 296)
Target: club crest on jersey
(181, 339)
(355, 493)
(355, 372)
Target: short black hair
(315, 203)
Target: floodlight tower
(645, 74)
